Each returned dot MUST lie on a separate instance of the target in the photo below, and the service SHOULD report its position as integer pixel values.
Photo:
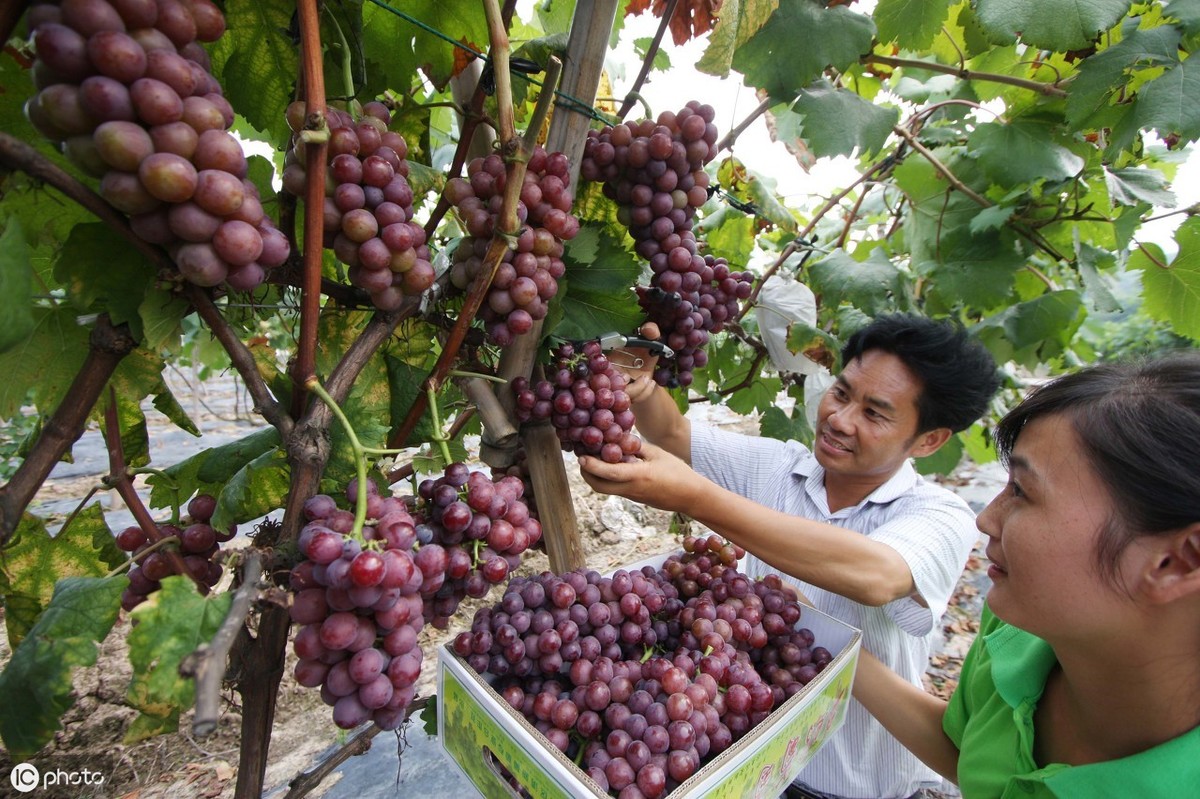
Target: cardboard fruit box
(483, 735)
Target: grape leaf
(405, 380)
(973, 270)
(834, 121)
(34, 560)
(1102, 75)
(777, 424)
(211, 468)
(162, 315)
(1187, 12)
(45, 362)
(911, 24)
(16, 287)
(171, 624)
(815, 344)
(1171, 292)
(256, 62)
(36, 686)
(596, 292)
(131, 424)
(1036, 331)
(102, 270)
(1136, 186)
(1168, 105)
(255, 490)
(1096, 284)
(1022, 151)
(1058, 25)
(691, 18)
(813, 37)
(166, 404)
(729, 234)
(873, 286)
(739, 20)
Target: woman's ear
(1174, 571)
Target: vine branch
(648, 62)
(1048, 89)
(207, 663)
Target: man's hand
(658, 478)
(638, 364)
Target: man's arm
(838, 560)
(910, 714)
(658, 418)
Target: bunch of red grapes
(124, 88)
(527, 277)
(654, 171)
(632, 681)
(688, 306)
(586, 402)
(368, 208)
(361, 601)
(197, 545)
(477, 529)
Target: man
(849, 522)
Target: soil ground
(615, 531)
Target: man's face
(867, 421)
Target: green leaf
(258, 488)
(162, 319)
(1036, 331)
(45, 362)
(758, 396)
(991, 218)
(171, 624)
(835, 122)
(36, 687)
(1171, 292)
(873, 286)
(761, 192)
(16, 287)
(729, 234)
(1168, 104)
(597, 297)
(459, 21)
(778, 425)
(1022, 151)
(104, 271)
(1186, 12)
(1058, 25)
(912, 24)
(257, 62)
(739, 20)
(812, 36)
(814, 344)
(973, 270)
(211, 468)
(1103, 75)
(1097, 286)
(1136, 186)
(641, 47)
(34, 560)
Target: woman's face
(1044, 528)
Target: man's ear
(1174, 570)
(930, 442)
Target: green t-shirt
(990, 719)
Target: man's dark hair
(958, 375)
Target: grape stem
(157, 545)
(360, 459)
(347, 71)
(438, 434)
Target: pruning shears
(617, 342)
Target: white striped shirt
(932, 529)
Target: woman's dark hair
(958, 375)
(1138, 423)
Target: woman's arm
(913, 716)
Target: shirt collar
(895, 487)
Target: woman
(1084, 680)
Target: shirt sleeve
(934, 536)
(751, 466)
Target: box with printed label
(486, 737)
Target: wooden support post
(586, 46)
